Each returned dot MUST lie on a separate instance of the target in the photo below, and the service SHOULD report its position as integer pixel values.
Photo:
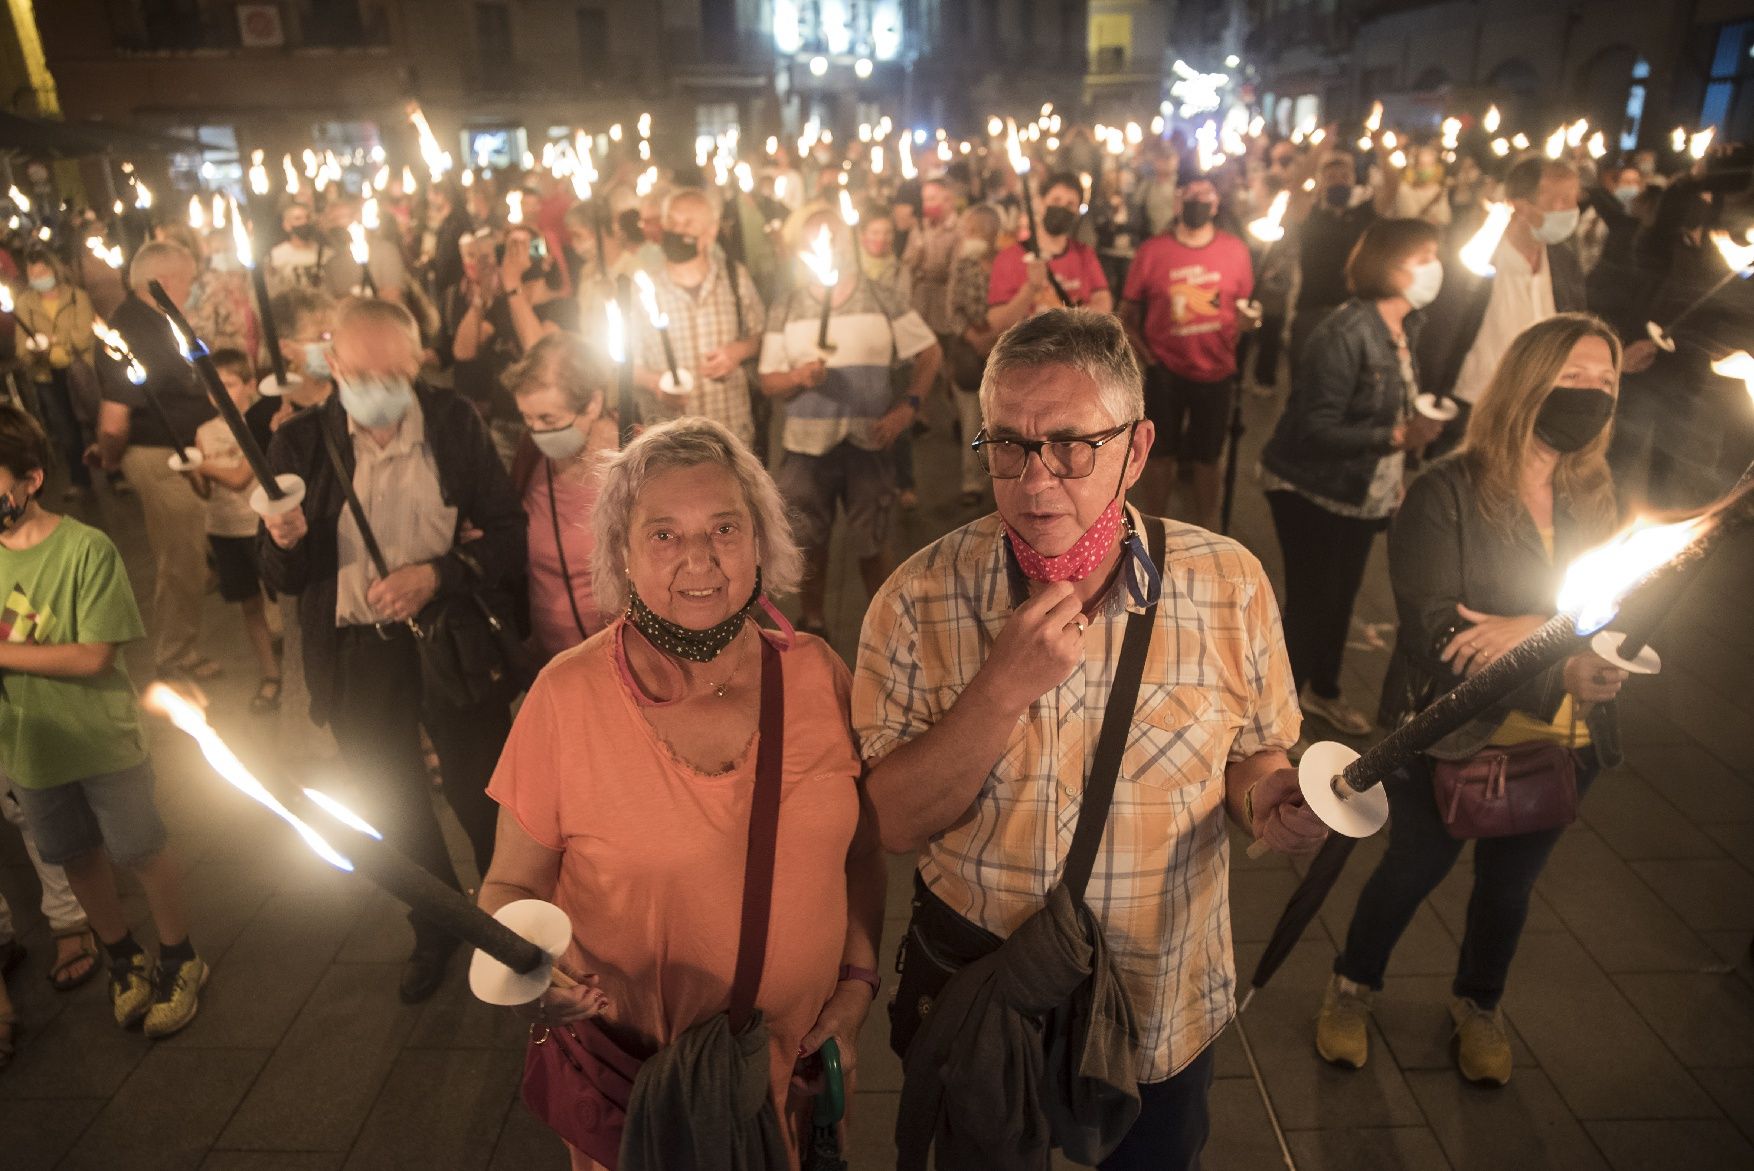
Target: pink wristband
(863, 975)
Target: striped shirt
(1217, 688)
(398, 486)
(872, 334)
(702, 320)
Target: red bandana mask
(1076, 563)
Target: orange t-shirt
(653, 851)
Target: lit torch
(516, 950)
(360, 249)
(1739, 257)
(673, 380)
(186, 457)
(1270, 228)
(246, 251)
(819, 259)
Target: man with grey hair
(132, 436)
(985, 667)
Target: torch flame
(110, 256)
(1270, 227)
(1476, 254)
(1374, 122)
(1737, 365)
(1014, 150)
(615, 334)
(819, 259)
(1520, 140)
(117, 348)
(240, 238)
(1491, 122)
(19, 198)
(357, 245)
(848, 213)
(197, 214)
(514, 207)
(5, 298)
(1598, 145)
(1556, 143)
(186, 716)
(437, 161)
(1452, 132)
(1598, 580)
(1740, 257)
(1678, 140)
(1699, 143)
(219, 211)
(368, 215)
(142, 196)
(182, 340)
(1574, 134)
(341, 813)
(648, 297)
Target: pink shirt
(553, 626)
(1079, 271)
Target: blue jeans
(1174, 1121)
(1421, 852)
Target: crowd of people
(1059, 708)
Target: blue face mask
(316, 360)
(376, 400)
(43, 284)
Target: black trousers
(1175, 1119)
(55, 398)
(376, 718)
(1268, 341)
(1325, 554)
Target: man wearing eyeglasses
(985, 667)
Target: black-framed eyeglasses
(1072, 458)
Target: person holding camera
(501, 308)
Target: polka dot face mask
(697, 646)
(1076, 563)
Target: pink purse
(1499, 792)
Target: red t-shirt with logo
(1079, 270)
(1190, 297)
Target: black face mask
(1058, 221)
(1339, 195)
(1572, 416)
(1197, 214)
(12, 511)
(304, 233)
(680, 249)
(628, 223)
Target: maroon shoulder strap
(764, 825)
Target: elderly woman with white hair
(630, 794)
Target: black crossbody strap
(338, 462)
(764, 828)
(560, 550)
(1117, 721)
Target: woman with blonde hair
(560, 388)
(1476, 554)
(631, 796)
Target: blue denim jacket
(1346, 397)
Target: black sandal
(267, 697)
(59, 975)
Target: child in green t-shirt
(70, 734)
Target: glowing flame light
(648, 298)
(1678, 140)
(142, 196)
(848, 213)
(1452, 132)
(819, 259)
(197, 214)
(258, 173)
(615, 332)
(341, 813)
(291, 174)
(1599, 579)
(1737, 365)
(111, 256)
(1740, 257)
(1699, 143)
(1014, 150)
(162, 699)
(357, 245)
(117, 349)
(1270, 227)
(1476, 254)
(1574, 134)
(1374, 122)
(1491, 122)
(5, 298)
(219, 210)
(1520, 141)
(240, 237)
(368, 215)
(18, 197)
(437, 161)
(514, 207)
(1500, 147)
(1598, 145)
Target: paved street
(1631, 1000)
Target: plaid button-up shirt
(1216, 689)
(701, 320)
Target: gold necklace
(719, 689)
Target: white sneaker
(1336, 713)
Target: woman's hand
(1476, 648)
(841, 1018)
(571, 996)
(1592, 679)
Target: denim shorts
(114, 811)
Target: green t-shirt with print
(70, 587)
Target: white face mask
(1427, 281)
(560, 444)
(972, 248)
(1557, 226)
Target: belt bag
(577, 1078)
(1502, 791)
(468, 643)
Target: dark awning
(67, 140)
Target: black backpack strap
(1117, 721)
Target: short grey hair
(686, 443)
(1091, 342)
(154, 260)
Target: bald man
(132, 436)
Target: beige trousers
(176, 528)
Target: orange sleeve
(524, 782)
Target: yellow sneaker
(178, 999)
(131, 990)
(1342, 1029)
(1482, 1045)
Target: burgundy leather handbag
(1499, 792)
(577, 1079)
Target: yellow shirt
(1567, 727)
